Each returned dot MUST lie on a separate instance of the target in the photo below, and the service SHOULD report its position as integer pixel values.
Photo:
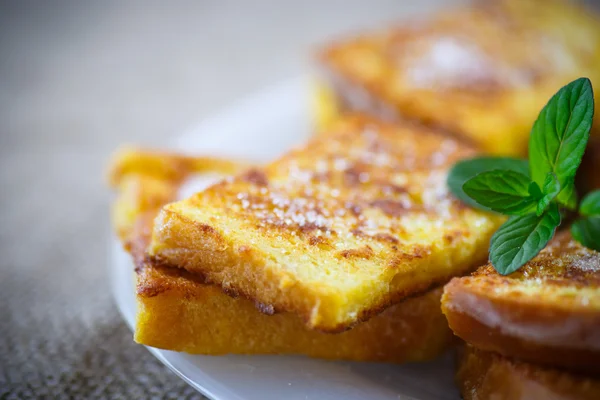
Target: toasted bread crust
(482, 72)
(495, 340)
(483, 375)
(548, 312)
(335, 231)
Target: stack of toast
(346, 242)
(534, 333)
(340, 249)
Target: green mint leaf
(464, 170)
(551, 185)
(550, 191)
(535, 191)
(503, 191)
(568, 195)
(590, 205)
(560, 135)
(521, 238)
(587, 232)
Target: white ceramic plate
(262, 127)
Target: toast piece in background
(335, 231)
(548, 312)
(483, 375)
(148, 179)
(482, 72)
(177, 311)
(167, 166)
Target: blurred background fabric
(76, 80)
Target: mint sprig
(560, 134)
(533, 193)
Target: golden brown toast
(177, 311)
(483, 375)
(335, 231)
(548, 312)
(482, 71)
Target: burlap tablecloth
(77, 79)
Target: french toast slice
(548, 312)
(178, 311)
(482, 71)
(334, 231)
(483, 375)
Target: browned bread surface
(483, 375)
(548, 312)
(482, 71)
(335, 231)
